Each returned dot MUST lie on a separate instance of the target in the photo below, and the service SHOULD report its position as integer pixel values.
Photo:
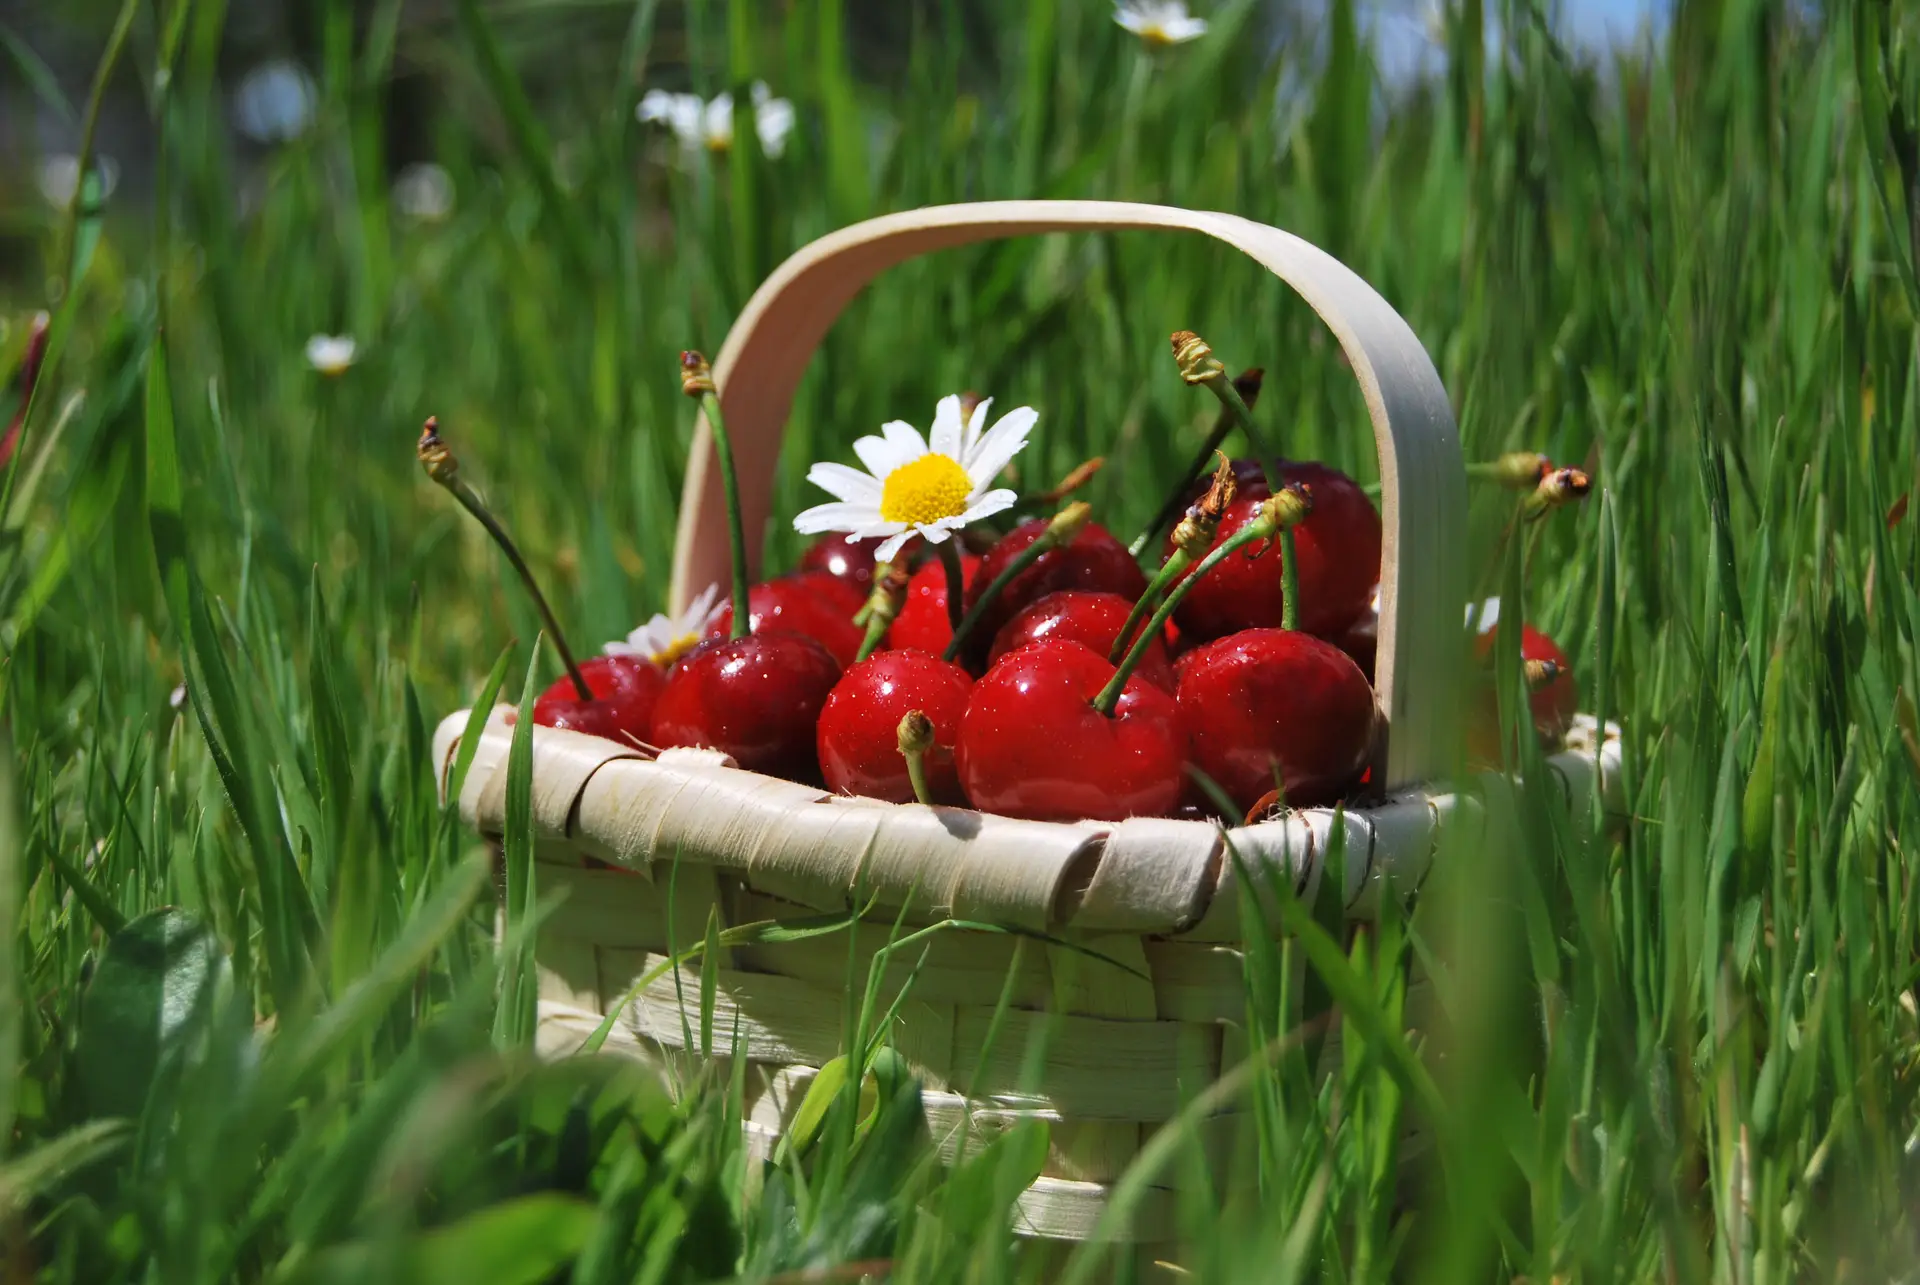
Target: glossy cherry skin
(812, 603)
(625, 689)
(1032, 745)
(1094, 561)
(1267, 696)
(1361, 639)
(859, 735)
(755, 698)
(844, 557)
(922, 622)
(1339, 551)
(1086, 617)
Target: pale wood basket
(1105, 1054)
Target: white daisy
(913, 486)
(331, 354)
(1484, 617)
(1159, 22)
(697, 123)
(665, 639)
(423, 191)
(275, 102)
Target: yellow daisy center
(676, 649)
(1156, 34)
(924, 491)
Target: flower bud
(1067, 524)
(696, 376)
(1194, 534)
(1540, 673)
(435, 455)
(1519, 470)
(1559, 487)
(1292, 505)
(916, 733)
(1197, 363)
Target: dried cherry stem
(1076, 477)
(441, 466)
(1247, 384)
(1278, 512)
(1191, 540)
(883, 604)
(916, 738)
(696, 381)
(1062, 531)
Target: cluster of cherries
(1057, 702)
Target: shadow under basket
(1122, 975)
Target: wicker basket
(1120, 1050)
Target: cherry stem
(1289, 581)
(1061, 531)
(915, 738)
(882, 605)
(444, 470)
(736, 532)
(1236, 408)
(956, 579)
(1248, 385)
(1164, 579)
(1262, 527)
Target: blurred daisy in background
(331, 354)
(275, 102)
(1159, 22)
(423, 191)
(59, 178)
(700, 124)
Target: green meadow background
(255, 1027)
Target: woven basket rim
(1148, 875)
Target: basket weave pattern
(1134, 1003)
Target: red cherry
(625, 690)
(859, 738)
(756, 698)
(843, 557)
(1361, 639)
(1339, 552)
(922, 622)
(1553, 705)
(811, 603)
(1086, 617)
(1267, 696)
(1032, 745)
(1094, 561)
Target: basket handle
(1422, 571)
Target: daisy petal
(845, 483)
(888, 551)
(879, 455)
(986, 506)
(904, 438)
(1181, 30)
(947, 436)
(1002, 442)
(832, 517)
(936, 532)
(976, 429)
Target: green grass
(255, 1025)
